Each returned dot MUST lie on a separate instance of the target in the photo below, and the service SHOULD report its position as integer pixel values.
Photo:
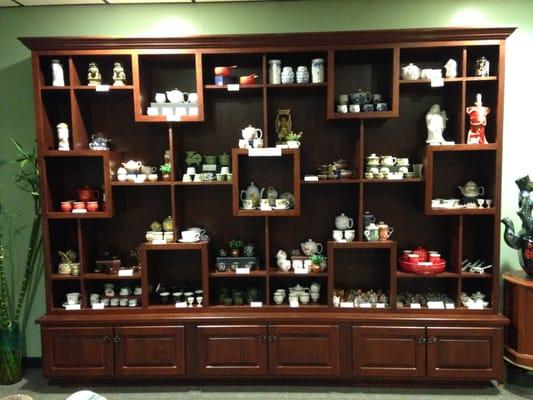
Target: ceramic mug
(342, 108)
(354, 108)
(384, 232)
(371, 234)
(258, 143)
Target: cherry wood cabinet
(274, 340)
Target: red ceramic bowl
(79, 205)
(66, 206)
(224, 71)
(92, 206)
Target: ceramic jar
(58, 77)
(317, 70)
(274, 72)
(302, 74)
(287, 75)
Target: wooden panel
(77, 352)
(150, 350)
(464, 352)
(232, 350)
(388, 351)
(304, 350)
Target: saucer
(188, 241)
(280, 208)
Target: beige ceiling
(24, 3)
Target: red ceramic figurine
(478, 120)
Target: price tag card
(365, 305)
(380, 305)
(437, 82)
(181, 304)
(311, 178)
(242, 271)
(79, 211)
(264, 152)
(415, 305)
(175, 118)
(98, 306)
(73, 307)
(347, 304)
(233, 87)
(450, 306)
(436, 305)
(159, 241)
(256, 304)
(294, 303)
(102, 88)
(474, 305)
(125, 272)
(301, 271)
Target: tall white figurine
(436, 123)
(58, 78)
(451, 68)
(62, 137)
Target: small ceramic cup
(338, 235)
(349, 235)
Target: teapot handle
(481, 190)
(260, 133)
(350, 223)
(243, 192)
(394, 160)
(319, 248)
(96, 194)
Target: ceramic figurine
(436, 123)
(451, 68)
(482, 67)
(62, 137)
(283, 124)
(119, 76)
(523, 240)
(93, 75)
(478, 120)
(58, 78)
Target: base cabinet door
(303, 350)
(149, 351)
(77, 351)
(232, 350)
(464, 352)
(388, 351)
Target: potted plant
(235, 247)
(165, 171)
(318, 263)
(68, 264)
(293, 140)
(14, 310)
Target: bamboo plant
(11, 307)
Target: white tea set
(135, 172)
(343, 231)
(179, 104)
(298, 294)
(387, 167)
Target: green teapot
(193, 158)
(253, 193)
(224, 159)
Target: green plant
(317, 259)
(68, 257)
(293, 136)
(165, 168)
(235, 244)
(26, 179)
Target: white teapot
(410, 72)
(343, 222)
(311, 247)
(251, 133)
(175, 96)
(132, 166)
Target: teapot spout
(509, 235)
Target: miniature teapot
(193, 158)
(132, 166)
(343, 222)
(410, 72)
(175, 96)
(471, 190)
(423, 254)
(253, 193)
(251, 133)
(311, 247)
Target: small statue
(478, 120)
(283, 124)
(436, 123)
(119, 76)
(93, 75)
(62, 137)
(482, 67)
(451, 68)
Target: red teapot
(423, 254)
(87, 194)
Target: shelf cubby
(432, 57)
(105, 63)
(246, 64)
(45, 77)
(490, 52)
(56, 109)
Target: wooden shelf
(290, 274)
(445, 274)
(107, 277)
(365, 115)
(71, 215)
(77, 153)
(175, 246)
(146, 183)
(462, 211)
(473, 275)
(331, 182)
(252, 86)
(111, 88)
(272, 213)
(59, 277)
(463, 147)
(403, 180)
(378, 244)
(296, 85)
(208, 183)
(163, 118)
(428, 81)
(56, 88)
(234, 275)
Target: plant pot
(235, 252)
(10, 354)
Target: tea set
(343, 231)
(388, 167)
(423, 299)
(161, 232)
(412, 72)
(265, 199)
(470, 192)
(374, 232)
(251, 138)
(298, 294)
(174, 103)
(360, 298)
(474, 301)
(239, 297)
(338, 169)
(135, 172)
(88, 201)
(99, 142)
(286, 75)
(208, 167)
(361, 101)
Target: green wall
(16, 97)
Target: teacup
(369, 175)
(402, 161)
(388, 161)
(124, 291)
(132, 303)
(147, 170)
(243, 144)
(79, 205)
(354, 108)
(278, 298)
(304, 297)
(114, 302)
(152, 177)
(192, 97)
(282, 203)
(297, 264)
(191, 171)
(349, 235)
(343, 99)
(224, 170)
(140, 178)
(338, 235)
(197, 229)
(247, 204)
(190, 236)
(284, 265)
(137, 291)
(123, 302)
(315, 287)
(342, 108)
(264, 203)
(131, 177)
(73, 298)
(160, 97)
(315, 296)
(151, 111)
(258, 143)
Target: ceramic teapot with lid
(175, 96)
(410, 72)
(471, 190)
(132, 166)
(251, 133)
(272, 195)
(253, 193)
(311, 247)
(343, 222)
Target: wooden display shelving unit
(315, 340)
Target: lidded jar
(274, 72)
(317, 70)
(287, 75)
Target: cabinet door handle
(262, 338)
(116, 339)
(107, 339)
(432, 340)
(421, 340)
(272, 338)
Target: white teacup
(152, 111)
(354, 108)
(123, 302)
(342, 108)
(131, 177)
(73, 298)
(137, 291)
(349, 235)
(132, 303)
(281, 254)
(284, 265)
(192, 98)
(186, 178)
(297, 264)
(224, 170)
(247, 204)
(293, 144)
(114, 302)
(160, 97)
(282, 203)
(243, 144)
(197, 229)
(190, 236)
(403, 161)
(152, 177)
(264, 204)
(337, 235)
(191, 171)
(258, 143)
(315, 296)
(304, 297)
(140, 178)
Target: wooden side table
(518, 307)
